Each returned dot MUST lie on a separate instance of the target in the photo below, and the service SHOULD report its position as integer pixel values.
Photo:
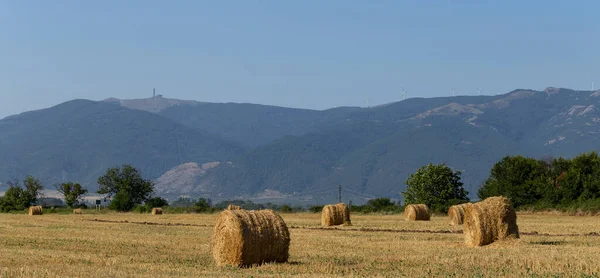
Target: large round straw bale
(36, 210)
(233, 207)
(457, 213)
(490, 220)
(333, 215)
(77, 211)
(347, 221)
(156, 211)
(417, 212)
(247, 237)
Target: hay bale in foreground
(77, 211)
(156, 211)
(333, 215)
(36, 210)
(233, 207)
(247, 237)
(457, 213)
(417, 212)
(490, 220)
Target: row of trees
(526, 181)
(124, 185)
(546, 183)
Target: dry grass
(244, 238)
(68, 246)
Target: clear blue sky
(310, 54)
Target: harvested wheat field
(140, 245)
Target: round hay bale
(333, 215)
(346, 209)
(247, 237)
(157, 211)
(490, 220)
(457, 213)
(417, 212)
(233, 207)
(77, 211)
(36, 210)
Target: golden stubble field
(174, 245)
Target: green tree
(522, 180)
(285, 208)
(122, 202)
(437, 186)
(581, 181)
(316, 209)
(20, 198)
(73, 192)
(202, 205)
(126, 180)
(156, 202)
(381, 204)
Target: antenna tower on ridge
(153, 92)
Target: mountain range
(238, 150)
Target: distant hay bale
(233, 207)
(247, 237)
(156, 211)
(490, 220)
(337, 214)
(417, 212)
(77, 211)
(457, 213)
(36, 210)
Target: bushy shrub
(316, 209)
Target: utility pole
(339, 193)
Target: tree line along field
(170, 245)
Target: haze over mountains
(227, 150)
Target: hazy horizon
(310, 54)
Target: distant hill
(229, 150)
(78, 140)
(372, 151)
(249, 125)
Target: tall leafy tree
(522, 180)
(19, 198)
(73, 192)
(127, 184)
(436, 186)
